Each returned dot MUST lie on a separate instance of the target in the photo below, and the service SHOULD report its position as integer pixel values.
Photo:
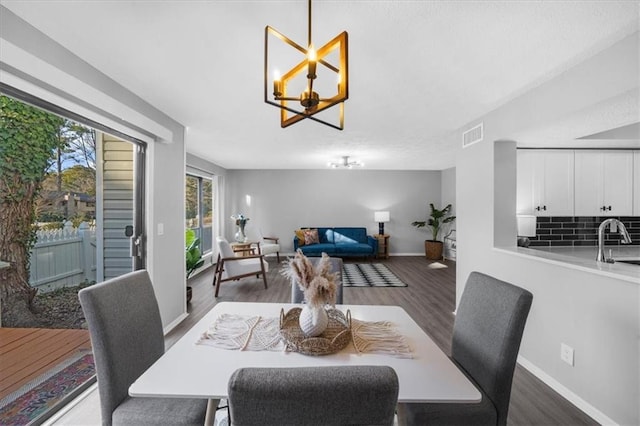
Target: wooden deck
(27, 353)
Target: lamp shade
(381, 216)
(526, 225)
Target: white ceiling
(418, 70)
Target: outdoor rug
(33, 400)
(369, 275)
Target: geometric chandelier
(315, 80)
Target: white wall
(283, 200)
(598, 316)
(449, 189)
(34, 63)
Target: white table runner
(257, 333)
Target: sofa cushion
(353, 249)
(318, 249)
(326, 235)
(311, 236)
(300, 236)
(350, 235)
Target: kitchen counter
(584, 258)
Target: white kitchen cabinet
(636, 183)
(545, 182)
(603, 183)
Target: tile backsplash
(580, 231)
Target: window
(199, 209)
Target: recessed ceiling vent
(473, 135)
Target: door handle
(135, 248)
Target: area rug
(369, 275)
(30, 403)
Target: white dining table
(190, 370)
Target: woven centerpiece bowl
(335, 337)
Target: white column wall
(598, 316)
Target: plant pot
(189, 294)
(433, 249)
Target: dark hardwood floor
(429, 299)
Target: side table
(383, 245)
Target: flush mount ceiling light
(346, 163)
(313, 72)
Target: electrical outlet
(566, 353)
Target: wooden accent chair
(265, 245)
(230, 267)
(126, 334)
(346, 395)
(486, 338)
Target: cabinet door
(636, 183)
(589, 178)
(618, 183)
(558, 186)
(526, 196)
(603, 183)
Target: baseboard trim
(175, 322)
(566, 393)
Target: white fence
(63, 257)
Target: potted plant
(193, 256)
(437, 218)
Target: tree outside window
(199, 209)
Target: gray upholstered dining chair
(297, 296)
(346, 395)
(486, 338)
(126, 334)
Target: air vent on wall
(473, 135)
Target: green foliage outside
(80, 179)
(50, 226)
(28, 138)
(437, 218)
(192, 206)
(192, 249)
(51, 217)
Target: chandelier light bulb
(312, 57)
(277, 84)
(311, 54)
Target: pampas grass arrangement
(317, 284)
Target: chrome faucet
(626, 239)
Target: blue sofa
(340, 242)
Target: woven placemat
(335, 337)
